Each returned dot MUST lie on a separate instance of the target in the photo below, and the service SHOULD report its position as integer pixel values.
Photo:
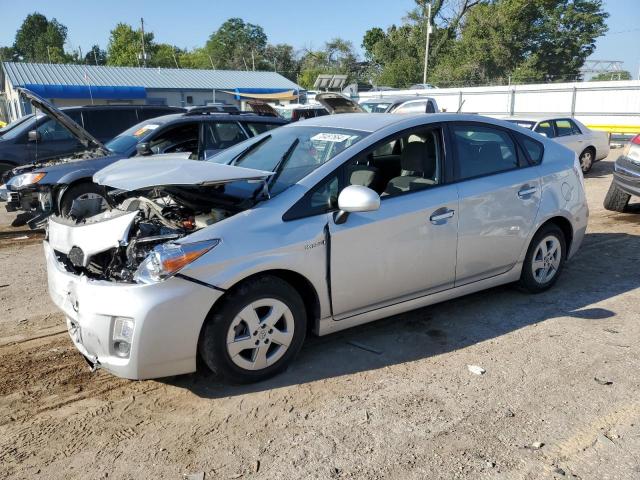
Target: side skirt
(329, 325)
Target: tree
(125, 46)
(337, 57)
(41, 40)
(165, 55)
(96, 56)
(608, 76)
(236, 45)
(8, 54)
(281, 58)
(485, 41)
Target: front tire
(80, 191)
(587, 157)
(544, 260)
(616, 200)
(255, 331)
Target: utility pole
(95, 56)
(426, 48)
(144, 53)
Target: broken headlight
(167, 259)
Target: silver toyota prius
(315, 227)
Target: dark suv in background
(40, 137)
(65, 185)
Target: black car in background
(40, 137)
(626, 178)
(65, 185)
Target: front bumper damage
(164, 318)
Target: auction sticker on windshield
(331, 137)
(142, 130)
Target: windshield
(291, 152)
(14, 124)
(375, 107)
(285, 112)
(22, 125)
(523, 123)
(128, 139)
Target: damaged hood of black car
(172, 170)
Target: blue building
(69, 85)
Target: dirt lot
(412, 410)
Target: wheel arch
(565, 225)
(298, 282)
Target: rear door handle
(527, 191)
(438, 217)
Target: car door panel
(394, 253)
(496, 217)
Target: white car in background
(590, 145)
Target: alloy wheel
(546, 259)
(260, 334)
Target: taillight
(636, 140)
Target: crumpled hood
(164, 170)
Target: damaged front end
(138, 240)
(112, 245)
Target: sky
(188, 23)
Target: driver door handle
(527, 191)
(439, 217)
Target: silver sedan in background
(314, 227)
(590, 145)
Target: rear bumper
(167, 318)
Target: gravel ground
(559, 398)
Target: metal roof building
(66, 85)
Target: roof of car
(534, 118)
(371, 122)
(244, 117)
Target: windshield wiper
(268, 182)
(277, 170)
(247, 151)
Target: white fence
(610, 106)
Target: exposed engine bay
(112, 245)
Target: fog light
(122, 335)
(122, 348)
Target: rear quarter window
(534, 149)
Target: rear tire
(255, 331)
(616, 200)
(587, 157)
(78, 191)
(544, 260)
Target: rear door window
(482, 150)
(564, 127)
(546, 128)
(106, 124)
(221, 135)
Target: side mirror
(143, 148)
(34, 136)
(356, 198)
